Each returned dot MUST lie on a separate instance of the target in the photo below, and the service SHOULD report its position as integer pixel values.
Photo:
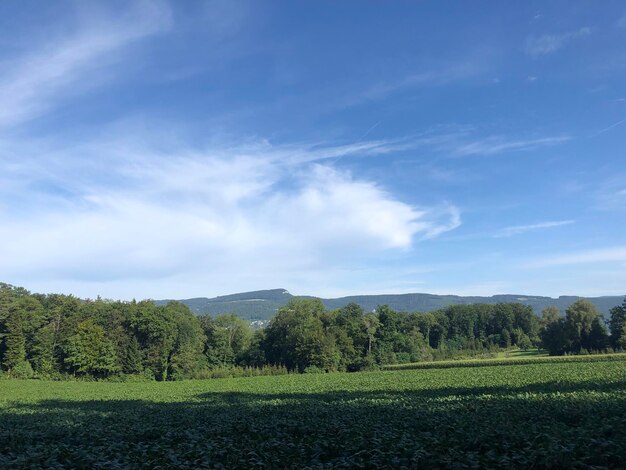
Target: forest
(60, 337)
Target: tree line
(61, 336)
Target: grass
(514, 353)
(565, 414)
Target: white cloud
(29, 85)
(105, 209)
(550, 43)
(605, 255)
(234, 217)
(520, 229)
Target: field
(512, 359)
(565, 414)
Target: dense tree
(15, 342)
(550, 314)
(88, 351)
(582, 330)
(585, 327)
(228, 338)
(295, 337)
(59, 335)
(156, 332)
(617, 326)
(554, 337)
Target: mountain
(261, 305)
(255, 305)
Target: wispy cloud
(610, 194)
(31, 84)
(615, 254)
(133, 211)
(441, 76)
(455, 141)
(520, 229)
(498, 144)
(608, 128)
(474, 64)
(537, 46)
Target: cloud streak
(521, 229)
(608, 128)
(497, 144)
(550, 43)
(32, 84)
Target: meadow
(535, 414)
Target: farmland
(566, 414)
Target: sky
(174, 150)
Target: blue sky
(184, 149)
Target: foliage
(617, 326)
(581, 331)
(89, 351)
(22, 370)
(61, 336)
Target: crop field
(565, 414)
(510, 360)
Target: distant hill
(256, 305)
(262, 305)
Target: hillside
(261, 305)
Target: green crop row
(506, 361)
(569, 414)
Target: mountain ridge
(262, 304)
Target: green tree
(371, 327)
(228, 338)
(254, 355)
(44, 360)
(15, 341)
(584, 326)
(598, 338)
(617, 323)
(186, 358)
(550, 314)
(20, 316)
(505, 338)
(425, 323)
(88, 351)
(156, 331)
(621, 342)
(554, 337)
(295, 337)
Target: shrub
(314, 370)
(23, 370)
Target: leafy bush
(132, 378)
(23, 370)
